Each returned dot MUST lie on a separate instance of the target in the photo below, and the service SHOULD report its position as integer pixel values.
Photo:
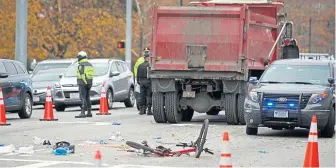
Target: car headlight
(38, 91)
(96, 84)
(317, 98)
(57, 85)
(253, 96)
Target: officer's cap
(146, 49)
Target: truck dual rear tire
(240, 108)
(171, 107)
(230, 109)
(158, 108)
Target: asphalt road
(270, 148)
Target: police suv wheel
(329, 129)
(251, 130)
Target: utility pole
(310, 32)
(128, 53)
(21, 31)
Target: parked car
(52, 64)
(289, 93)
(16, 88)
(117, 78)
(41, 80)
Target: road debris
(26, 150)
(7, 149)
(262, 151)
(116, 123)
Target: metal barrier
(317, 56)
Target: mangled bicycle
(197, 146)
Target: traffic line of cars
(22, 89)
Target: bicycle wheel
(143, 147)
(201, 138)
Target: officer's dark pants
(145, 95)
(84, 93)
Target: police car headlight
(317, 98)
(253, 96)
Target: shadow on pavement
(296, 133)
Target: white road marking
(144, 166)
(43, 163)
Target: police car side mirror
(114, 73)
(331, 80)
(60, 76)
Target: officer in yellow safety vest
(140, 61)
(85, 72)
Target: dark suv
(16, 87)
(289, 93)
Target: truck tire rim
(132, 98)
(28, 107)
(109, 98)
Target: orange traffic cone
(103, 109)
(3, 120)
(312, 154)
(225, 157)
(98, 157)
(48, 108)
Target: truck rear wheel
(230, 109)
(158, 108)
(187, 114)
(171, 105)
(240, 108)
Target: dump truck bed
(213, 38)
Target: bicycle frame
(179, 152)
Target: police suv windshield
(100, 69)
(297, 74)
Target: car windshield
(47, 76)
(301, 74)
(100, 68)
(46, 66)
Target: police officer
(84, 80)
(138, 62)
(145, 86)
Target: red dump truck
(205, 53)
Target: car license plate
(188, 94)
(36, 99)
(280, 114)
(74, 95)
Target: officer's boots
(82, 114)
(142, 110)
(149, 111)
(89, 114)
